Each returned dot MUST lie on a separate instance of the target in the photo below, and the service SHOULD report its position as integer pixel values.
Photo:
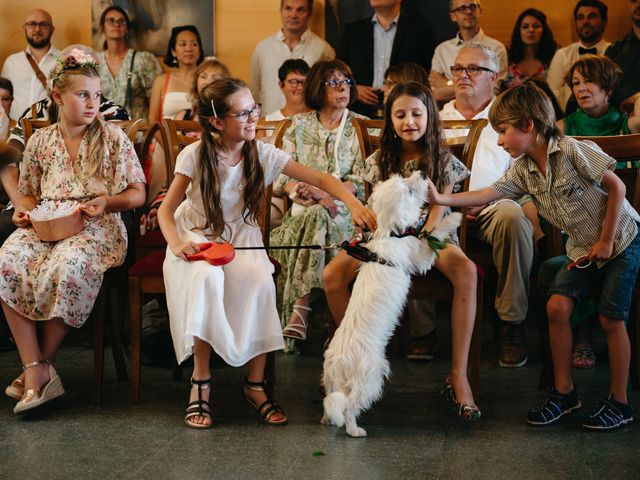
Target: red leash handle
(215, 253)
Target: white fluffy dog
(355, 366)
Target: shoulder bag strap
(127, 98)
(36, 70)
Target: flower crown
(76, 58)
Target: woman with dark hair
(532, 48)
(324, 139)
(127, 75)
(171, 91)
(171, 94)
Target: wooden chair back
(29, 126)
(175, 138)
(623, 148)
(266, 128)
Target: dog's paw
(356, 432)
(326, 421)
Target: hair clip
(213, 107)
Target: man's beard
(39, 43)
(591, 37)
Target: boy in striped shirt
(574, 188)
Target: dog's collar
(357, 249)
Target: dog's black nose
(422, 174)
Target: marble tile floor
(412, 431)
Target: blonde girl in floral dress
(79, 158)
(323, 139)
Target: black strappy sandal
(200, 407)
(268, 407)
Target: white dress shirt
(560, 64)
(445, 54)
(27, 89)
(269, 55)
(490, 161)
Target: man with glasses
(294, 40)
(503, 224)
(466, 13)
(391, 37)
(29, 68)
(590, 17)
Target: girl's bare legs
(462, 273)
(201, 371)
(255, 373)
(25, 335)
(337, 277)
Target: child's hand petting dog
(433, 196)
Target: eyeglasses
(471, 70)
(115, 22)
(472, 7)
(34, 25)
(243, 115)
(294, 82)
(334, 83)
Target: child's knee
(333, 278)
(611, 325)
(559, 309)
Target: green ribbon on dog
(435, 244)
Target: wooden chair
(622, 148)
(29, 126)
(434, 285)
(145, 276)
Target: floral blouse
(143, 72)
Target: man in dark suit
(369, 46)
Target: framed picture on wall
(152, 21)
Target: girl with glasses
(230, 309)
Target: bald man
(29, 68)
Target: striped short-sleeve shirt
(570, 196)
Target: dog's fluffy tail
(335, 406)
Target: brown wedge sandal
(268, 408)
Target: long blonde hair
(63, 78)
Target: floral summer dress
(45, 280)
(313, 145)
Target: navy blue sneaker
(554, 406)
(609, 414)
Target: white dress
(233, 307)
(175, 102)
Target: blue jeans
(618, 276)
